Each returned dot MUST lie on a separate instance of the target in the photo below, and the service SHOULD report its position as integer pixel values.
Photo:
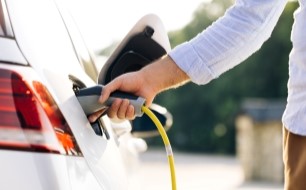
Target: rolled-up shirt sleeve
(231, 39)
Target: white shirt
(235, 36)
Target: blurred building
(259, 140)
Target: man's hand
(147, 83)
(134, 83)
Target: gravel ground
(195, 172)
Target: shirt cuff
(189, 61)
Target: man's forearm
(164, 74)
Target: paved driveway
(195, 172)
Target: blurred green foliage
(204, 115)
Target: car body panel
(102, 155)
(41, 35)
(80, 176)
(94, 148)
(41, 48)
(9, 52)
(54, 60)
(47, 171)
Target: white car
(46, 140)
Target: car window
(2, 24)
(5, 25)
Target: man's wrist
(164, 74)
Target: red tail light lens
(30, 119)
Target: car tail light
(30, 119)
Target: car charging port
(77, 84)
(97, 126)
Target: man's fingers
(112, 111)
(93, 117)
(109, 88)
(130, 113)
(104, 95)
(123, 109)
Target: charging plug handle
(89, 100)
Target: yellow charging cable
(166, 141)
